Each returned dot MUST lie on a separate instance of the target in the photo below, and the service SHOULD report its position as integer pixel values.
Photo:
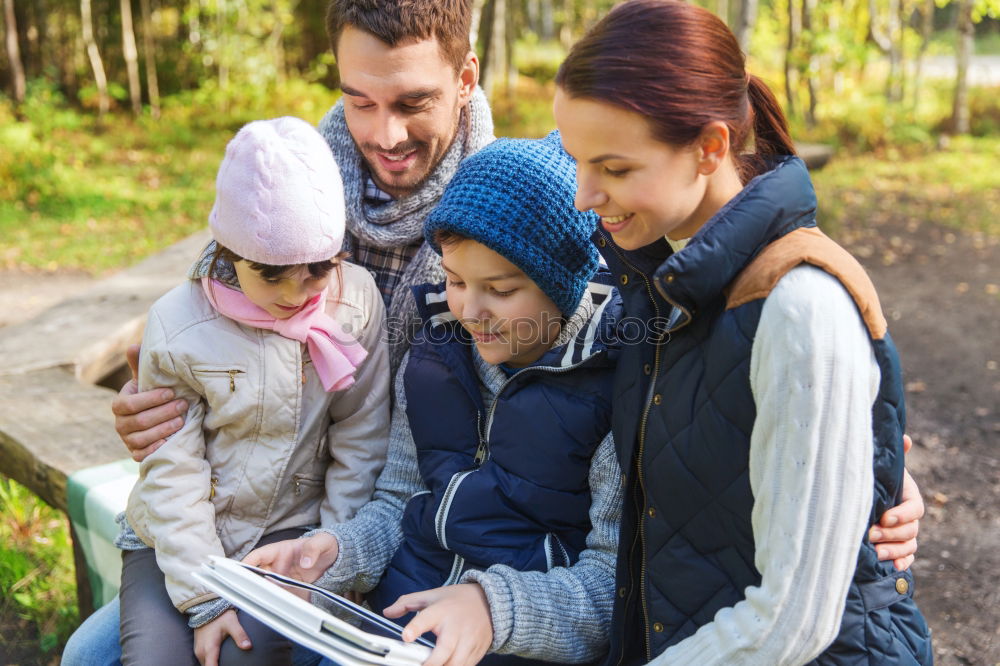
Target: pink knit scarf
(335, 354)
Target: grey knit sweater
(561, 615)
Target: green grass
(77, 192)
(957, 186)
(37, 581)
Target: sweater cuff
(203, 613)
(501, 603)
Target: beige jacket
(262, 439)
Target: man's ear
(713, 147)
(468, 77)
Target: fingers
(910, 509)
(144, 420)
(132, 358)
(444, 648)
(238, 634)
(407, 604)
(277, 557)
(318, 554)
(896, 550)
(904, 532)
(903, 563)
(907, 444)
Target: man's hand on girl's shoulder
(145, 420)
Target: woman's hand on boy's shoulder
(895, 535)
(145, 420)
(458, 615)
(302, 559)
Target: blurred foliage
(956, 185)
(96, 194)
(37, 581)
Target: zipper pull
(298, 486)
(480, 453)
(214, 482)
(232, 380)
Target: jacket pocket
(304, 482)
(219, 377)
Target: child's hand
(208, 637)
(302, 559)
(459, 616)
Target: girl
(759, 426)
(276, 344)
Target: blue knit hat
(515, 196)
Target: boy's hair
(447, 238)
(394, 21)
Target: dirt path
(941, 292)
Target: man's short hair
(395, 21)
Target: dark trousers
(153, 632)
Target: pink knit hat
(279, 199)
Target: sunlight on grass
(958, 186)
(37, 581)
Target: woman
(758, 421)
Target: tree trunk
(791, 78)
(486, 46)
(14, 52)
(498, 64)
(894, 87)
(131, 54)
(808, 8)
(548, 20)
(149, 56)
(722, 9)
(475, 24)
(87, 24)
(566, 29)
(960, 107)
(926, 29)
(745, 23)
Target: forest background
(114, 115)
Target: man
(410, 112)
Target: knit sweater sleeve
(814, 378)
(564, 614)
(369, 540)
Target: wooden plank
(90, 331)
(51, 425)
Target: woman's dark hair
(680, 67)
(317, 269)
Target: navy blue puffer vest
(508, 485)
(684, 413)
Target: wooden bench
(55, 418)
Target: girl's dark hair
(680, 67)
(317, 269)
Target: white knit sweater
(814, 378)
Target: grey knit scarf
(400, 222)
